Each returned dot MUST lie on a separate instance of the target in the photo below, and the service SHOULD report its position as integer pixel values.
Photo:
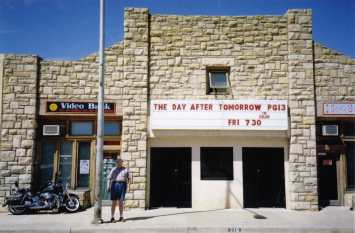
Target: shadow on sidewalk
(255, 214)
(230, 193)
(164, 215)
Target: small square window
(216, 163)
(112, 128)
(218, 80)
(81, 128)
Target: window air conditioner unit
(330, 130)
(51, 130)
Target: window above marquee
(218, 80)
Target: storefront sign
(78, 107)
(219, 114)
(339, 109)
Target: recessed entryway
(170, 177)
(263, 177)
(328, 184)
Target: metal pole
(100, 120)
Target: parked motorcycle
(54, 196)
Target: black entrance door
(327, 173)
(170, 180)
(263, 177)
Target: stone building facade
(167, 57)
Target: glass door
(65, 162)
(84, 149)
(47, 159)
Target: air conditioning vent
(330, 130)
(51, 130)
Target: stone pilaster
(302, 182)
(18, 126)
(134, 101)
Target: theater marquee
(219, 114)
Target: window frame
(217, 90)
(75, 161)
(119, 128)
(70, 131)
(113, 144)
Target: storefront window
(216, 163)
(112, 128)
(66, 157)
(84, 164)
(350, 157)
(47, 159)
(65, 161)
(81, 128)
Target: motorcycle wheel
(16, 210)
(72, 204)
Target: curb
(212, 230)
(99, 229)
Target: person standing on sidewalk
(117, 183)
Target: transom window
(112, 128)
(81, 128)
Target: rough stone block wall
(77, 80)
(334, 76)
(254, 47)
(135, 101)
(18, 120)
(302, 182)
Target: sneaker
(112, 220)
(121, 219)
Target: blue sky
(68, 29)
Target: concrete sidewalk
(331, 219)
